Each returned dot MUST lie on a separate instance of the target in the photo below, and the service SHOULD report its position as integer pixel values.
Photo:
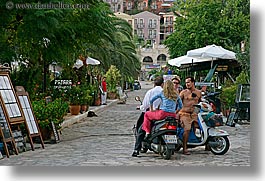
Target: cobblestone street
(108, 140)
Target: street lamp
(46, 42)
(54, 65)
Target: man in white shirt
(158, 87)
(156, 90)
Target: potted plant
(74, 96)
(94, 98)
(113, 78)
(228, 96)
(85, 98)
(47, 113)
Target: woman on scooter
(171, 104)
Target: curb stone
(72, 119)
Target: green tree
(37, 37)
(225, 23)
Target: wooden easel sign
(12, 106)
(31, 121)
(10, 100)
(5, 131)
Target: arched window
(148, 59)
(162, 58)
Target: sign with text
(62, 84)
(153, 66)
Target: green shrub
(53, 111)
(228, 95)
(113, 77)
(74, 95)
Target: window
(150, 33)
(155, 22)
(148, 59)
(150, 22)
(154, 33)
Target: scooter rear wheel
(167, 153)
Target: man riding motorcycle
(158, 84)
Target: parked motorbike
(207, 134)
(163, 139)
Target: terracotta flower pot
(75, 109)
(45, 133)
(97, 102)
(112, 95)
(84, 108)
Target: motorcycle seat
(169, 118)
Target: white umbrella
(89, 61)
(212, 51)
(92, 61)
(186, 60)
(79, 63)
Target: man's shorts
(187, 119)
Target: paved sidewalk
(108, 140)
(72, 119)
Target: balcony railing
(167, 23)
(141, 35)
(152, 25)
(140, 25)
(152, 36)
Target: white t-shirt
(149, 94)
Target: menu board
(9, 99)
(31, 122)
(5, 131)
(4, 124)
(32, 126)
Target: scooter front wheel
(222, 147)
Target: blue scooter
(207, 134)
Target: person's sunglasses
(175, 82)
